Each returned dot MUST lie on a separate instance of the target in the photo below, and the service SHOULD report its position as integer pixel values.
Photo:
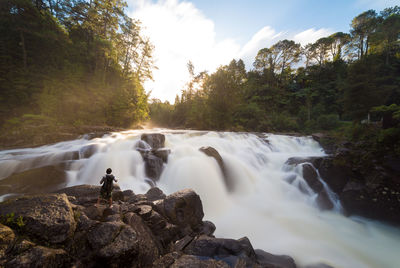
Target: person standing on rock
(107, 187)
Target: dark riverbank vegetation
(71, 63)
(346, 84)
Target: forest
(346, 83)
(72, 62)
(77, 62)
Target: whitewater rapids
(275, 215)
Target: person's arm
(102, 180)
(115, 179)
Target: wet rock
(88, 150)
(211, 152)
(311, 177)
(323, 201)
(334, 173)
(154, 194)
(294, 161)
(88, 194)
(319, 265)
(153, 166)
(39, 180)
(163, 154)
(266, 259)
(40, 256)
(47, 217)
(7, 237)
(183, 208)
(142, 146)
(155, 140)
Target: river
(275, 215)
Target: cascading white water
(275, 215)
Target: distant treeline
(341, 78)
(71, 62)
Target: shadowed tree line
(71, 62)
(340, 77)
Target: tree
(362, 27)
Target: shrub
(328, 121)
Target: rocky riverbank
(66, 229)
(366, 184)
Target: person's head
(108, 171)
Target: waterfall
(277, 216)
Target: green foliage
(12, 221)
(73, 63)
(328, 121)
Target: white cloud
(311, 35)
(180, 32)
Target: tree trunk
(23, 49)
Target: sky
(211, 33)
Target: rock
(266, 259)
(294, 161)
(103, 234)
(85, 194)
(195, 261)
(154, 194)
(311, 177)
(39, 180)
(155, 140)
(142, 146)
(47, 217)
(153, 166)
(7, 237)
(323, 201)
(40, 256)
(334, 173)
(183, 208)
(147, 249)
(211, 152)
(206, 228)
(221, 247)
(88, 150)
(163, 154)
(318, 265)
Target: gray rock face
(266, 259)
(88, 194)
(163, 154)
(47, 217)
(311, 177)
(155, 140)
(146, 230)
(336, 175)
(183, 208)
(153, 166)
(40, 256)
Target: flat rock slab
(47, 217)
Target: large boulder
(88, 194)
(311, 177)
(39, 180)
(155, 140)
(266, 259)
(47, 217)
(153, 166)
(230, 250)
(40, 256)
(182, 208)
(335, 173)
